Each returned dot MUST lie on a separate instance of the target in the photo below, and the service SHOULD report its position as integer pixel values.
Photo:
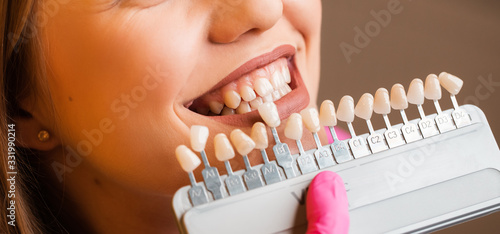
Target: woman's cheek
(305, 15)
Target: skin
(98, 53)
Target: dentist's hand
(326, 204)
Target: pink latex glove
(326, 205)
(341, 134)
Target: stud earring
(43, 135)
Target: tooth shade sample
(364, 108)
(243, 108)
(232, 99)
(215, 107)
(293, 128)
(432, 89)
(199, 136)
(227, 111)
(187, 158)
(247, 93)
(269, 114)
(381, 102)
(242, 142)
(263, 87)
(310, 117)
(327, 116)
(223, 149)
(415, 93)
(259, 135)
(345, 110)
(451, 83)
(398, 97)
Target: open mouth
(244, 93)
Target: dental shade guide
(345, 113)
(323, 155)
(364, 110)
(189, 161)
(269, 169)
(244, 145)
(399, 102)
(224, 152)
(199, 136)
(328, 117)
(416, 97)
(293, 130)
(436, 162)
(269, 114)
(432, 91)
(382, 106)
(453, 84)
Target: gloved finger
(326, 205)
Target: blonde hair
(19, 51)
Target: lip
(293, 102)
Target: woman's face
(129, 77)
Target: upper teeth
(266, 84)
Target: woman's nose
(233, 18)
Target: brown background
(461, 37)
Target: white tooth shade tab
(216, 107)
(364, 107)
(432, 89)
(187, 158)
(232, 99)
(199, 136)
(259, 135)
(293, 128)
(310, 117)
(263, 87)
(398, 97)
(247, 93)
(381, 102)
(327, 116)
(269, 113)
(450, 82)
(242, 142)
(223, 149)
(415, 93)
(345, 110)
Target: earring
(43, 135)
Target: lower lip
(293, 102)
